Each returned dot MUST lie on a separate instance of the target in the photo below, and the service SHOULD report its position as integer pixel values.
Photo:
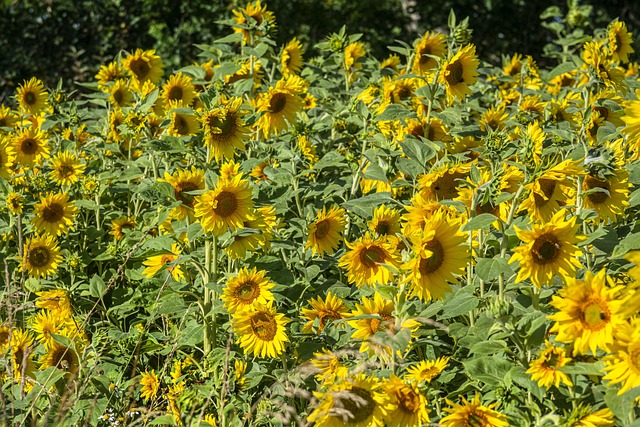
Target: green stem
(211, 273)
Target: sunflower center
(358, 403)
(372, 256)
(221, 126)
(408, 400)
(227, 204)
(593, 183)
(327, 314)
(445, 187)
(552, 360)
(477, 418)
(595, 315)
(66, 171)
(277, 103)
(30, 98)
(454, 73)
(548, 187)
(63, 358)
(39, 257)
(53, 212)
(435, 260)
(417, 131)
(264, 326)
(181, 125)
(175, 93)
(546, 249)
(140, 68)
(403, 93)
(185, 187)
(381, 324)
(29, 146)
(424, 59)
(322, 229)
(383, 227)
(247, 291)
(118, 96)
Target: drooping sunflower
(41, 256)
(608, 196)
(589, 312)
(143, 66)
(440, 253)
(62, 357)
(357, 401)
(369, 261)
(409, 406)
(122, 223)
(431, 44)
(157, 262)
(427, 370)
(223, 129)
(459, 72)
(385, 221)
(30, 146)
(254, 13)
(183, 124)
(291, 57)
(178, 91)
(548, 249)
(248, 286)
(280, 104)
(325, 311)
(56, 300)
(32, 96)
(325, 233)
(7, 157)
(473, 414)
(67, 168)
(307, 149)
(620, 40)
(183, 182)
(261, 330)
(545, 368)
(227, 206)
(150, 385)
(54, 214)
(622, 366)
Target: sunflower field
(265, 238)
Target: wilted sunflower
(473, 413)
(431, 44)
(291, 57)
(54, 214)
(30, 146)
(62, 357)
(122, 223)
(369, 261)
(143, 66)
(223, 129)
(248, 286)
(545, 368)
(548, 249)
(150, 385)
(622, 366)
(7, 157)
(67, 168)
(32, 96)
(157, 262)
(280, 104)
(261, 330)
(183, 182)
(409, 406)
(441, 253)
(608, 196)
(459, 72)
(325, 311)
(620, 40)
(427, 370)
(325, 233)
(227, 206)
(41, 256)
(178, 91)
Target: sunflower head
(459, 72)
(41, 256)
(32, 96)
(143, 66)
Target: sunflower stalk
(211, 276)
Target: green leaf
(96, 286)
(461, 303)
(629, 243)
(561, 69)
(481, 221)
(583, 368)
(488, 347)
(364, 206)
(621, 406)
(489, 268)
(395, 112)
(163, 419)
(409, 167)
(491, 370)
(375, 173)
(331, 159)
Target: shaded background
(69, 39)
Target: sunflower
(67, 168)
(620, 40)
(30, 146)
(385, 221)
(459, 72)
(183, 124)
(56, 300)
(150, 385)
(589, 312)
(597, 57)
(548, 249)
(21, 343)
(224, 130)
(256, 233)
(48, 322)
(226, 206)
(119, 93)
(254, 13)
(32, 96)
(62, 357)
(307, 149)
(545, 368)
(494, 118)
(183, 182)
(427, 370)
(622, 366)
(248, 286)
(441, 253)
(357, 401)
(325, 233)
(330, 368)
(8, 118)
(409, 406)
(157, 262)
(418, 213)
(143, 66)
(120, 224)
(473, 414)
(325, 311)
(178, 91)
(7, 157)
(352, 53)
(392, 62)
(280, 105)
(291, 57)
(15, 202)
(370, 261)
(431, 44)
(111, 72)
(443, 182)
(608, 196)
(54, 214)
(584, 416)
(261, 330)
(41, 256)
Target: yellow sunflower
(256, 232)
(7, 157)
(431, 44)
(248, 286)
(548, 249)
(330, 368)
(150, 385)
(157, 262)
(409, 406)
(183, 124)
(545, 368)
(111, 72)
(307, 149)
(352, 53)
(227, 206)
(32, 96)
(54, 214)
(254, 13)
(291, 57)
(119, 93)
(325, 233)
(370, 261)
(48, 322)
(280, 105)
(584, 416)
(30, 146)
(56, 300)
(61, 357)
(622, 366)
(15, 202)
(261, 330)
(443, 182)
(8, 118)
(385, 221)
(494, 118)
(427, 370)
(473, 414)
(67, 168)
(357, 401)
(21, 352)
(41, 256)
(223, 129)
(143, 66)
(589, 312)
(418, 213)
(325, 311)
(441, 253)
(120, 224)
(183, 182)
(178, 91)
(459, 72)
(608, 196)
(620, 40)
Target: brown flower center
(140, 68)
(39, 256)
(548, 187)
(277, 103)
(183, 187)
(247, 291)
(264, 326)
(446, 186)
(454, 73)
(181, 125)
(435, 260)
(372, 256)
(29, 146)
(381, 324)
(63, 358)
(175, 93)
(383, 227)
(221, 125)
(408, 400)
(53, 212)
(546, 249)
(227, 204)
(30, 98)
(477, 418)
(594, 183)
(357, 402)
(65, 171)
(322, 228)
(594, 314)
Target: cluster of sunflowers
(260, 240)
